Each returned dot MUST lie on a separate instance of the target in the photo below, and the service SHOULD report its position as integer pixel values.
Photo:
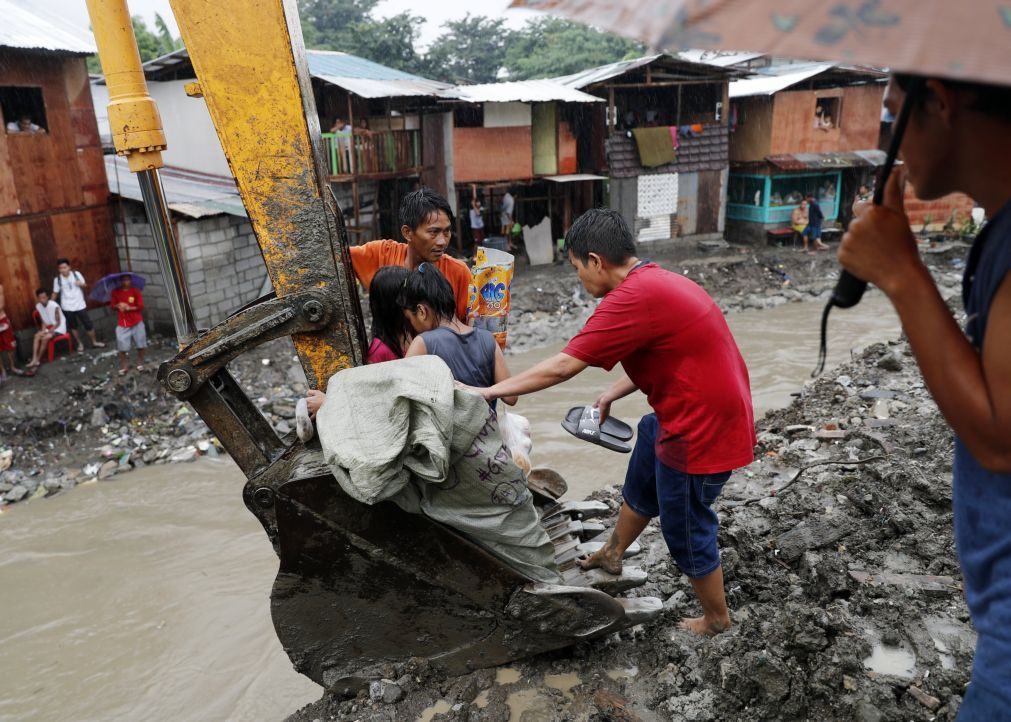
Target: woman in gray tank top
(472, 354)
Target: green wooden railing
(387, 151)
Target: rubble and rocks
(78, 420)
(840, 570)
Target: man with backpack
(68, 290)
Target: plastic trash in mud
(489, 297)
(6, 459)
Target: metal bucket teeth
(574, 528)
(592, 547)
(612, 584)
(641, 609)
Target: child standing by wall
(130, 328)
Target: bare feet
(604, 559)
(704, 627)
(819, 246)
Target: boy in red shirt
(130, 329)
(675, 346)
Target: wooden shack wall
(492, 154)
(53, 189)
(858, 128)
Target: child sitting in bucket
(391, 333)
(472, 354)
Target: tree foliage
(349, 26)
(471, 50)
(549, 47)
(150, 44)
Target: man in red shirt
(130, 329)
(675, 346)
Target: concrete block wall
(224, 266)
(221, 260)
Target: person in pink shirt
(391, 333)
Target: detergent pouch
(492, 278)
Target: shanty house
(798, 131)
(662, 139)
(531, 138)
(53, 193)
(221, 259)
(815, 129)
(385, 132)
(392, 134)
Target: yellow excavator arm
(359, 587)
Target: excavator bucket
(359, 588)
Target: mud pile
(841, 577)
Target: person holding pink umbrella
(959, 139)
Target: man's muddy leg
(715, 615)
(628, 528)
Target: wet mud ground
(843, 586)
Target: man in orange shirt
(426, 223)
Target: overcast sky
(436, 12)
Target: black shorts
(75, 318)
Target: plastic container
(490, 297)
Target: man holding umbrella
(959, 139)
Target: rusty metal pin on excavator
(358, 587)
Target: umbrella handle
(849, 289)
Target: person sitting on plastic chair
(52, 327)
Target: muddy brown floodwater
(147, 597)
(142, 599)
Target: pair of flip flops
(583, 422)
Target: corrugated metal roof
(356, 75)
(818, 161)
(20, 28)
(189, 193)
(691, 69)
(367, 78)
(585, 78)
(719, 58)
(771, 84)
(371, 88)
(345, 65)
(520, 91)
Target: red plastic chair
(55, 339)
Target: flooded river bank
(147, 597)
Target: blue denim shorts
(684, 503)
(982, 704)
